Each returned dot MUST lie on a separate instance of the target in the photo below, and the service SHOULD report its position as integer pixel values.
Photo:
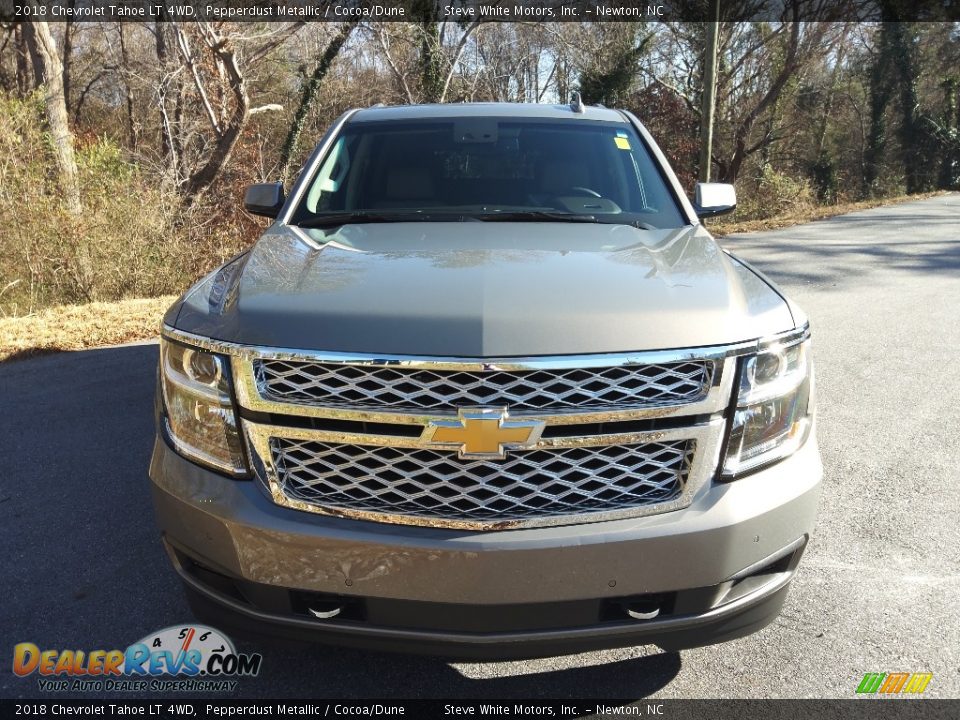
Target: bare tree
(48, 74)
(761, 64)
(428, 51)
(216, 59)
(132, 126)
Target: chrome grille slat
(394, 387)
(435, 484)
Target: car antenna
(576, 104)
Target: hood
(484, 289)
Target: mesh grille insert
(404, 388)
(438, 484)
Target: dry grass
(723, 227)
(74, 327)
(134, 239)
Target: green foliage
(103, 160)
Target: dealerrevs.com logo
(188, 658)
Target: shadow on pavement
(84, 568)
(352, 673)
(866, 245)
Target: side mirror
(264, 199)
(712, 199)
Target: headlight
(199, 412)
(774, 407)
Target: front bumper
(717, 570)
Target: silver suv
(486, 388)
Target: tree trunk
(431, 55)
(880, 92)
(824, 169)
(913, 137)
(307, 95)
(426, 15)
(25, 82)
(132, 133)
(68, 30)
(947, 178)
(169, 127)
(48, 71)
(955, 151)
(35, 60)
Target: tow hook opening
(638, 607)
(323, 606)
(324, 611)
(641, 612)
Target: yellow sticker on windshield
(622, 143)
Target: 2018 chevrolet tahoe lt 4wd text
(486, 388)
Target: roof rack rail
(576, 104)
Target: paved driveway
(82, 568)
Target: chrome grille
(434, 484)
(406, 388)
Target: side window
(329, 180)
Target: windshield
(488, 169)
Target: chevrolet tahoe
(486, 387)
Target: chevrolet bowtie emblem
(482, 433)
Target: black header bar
(467, 11)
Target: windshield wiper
(559, 216)
(337, 219)
(535, 216)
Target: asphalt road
(81, 565)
